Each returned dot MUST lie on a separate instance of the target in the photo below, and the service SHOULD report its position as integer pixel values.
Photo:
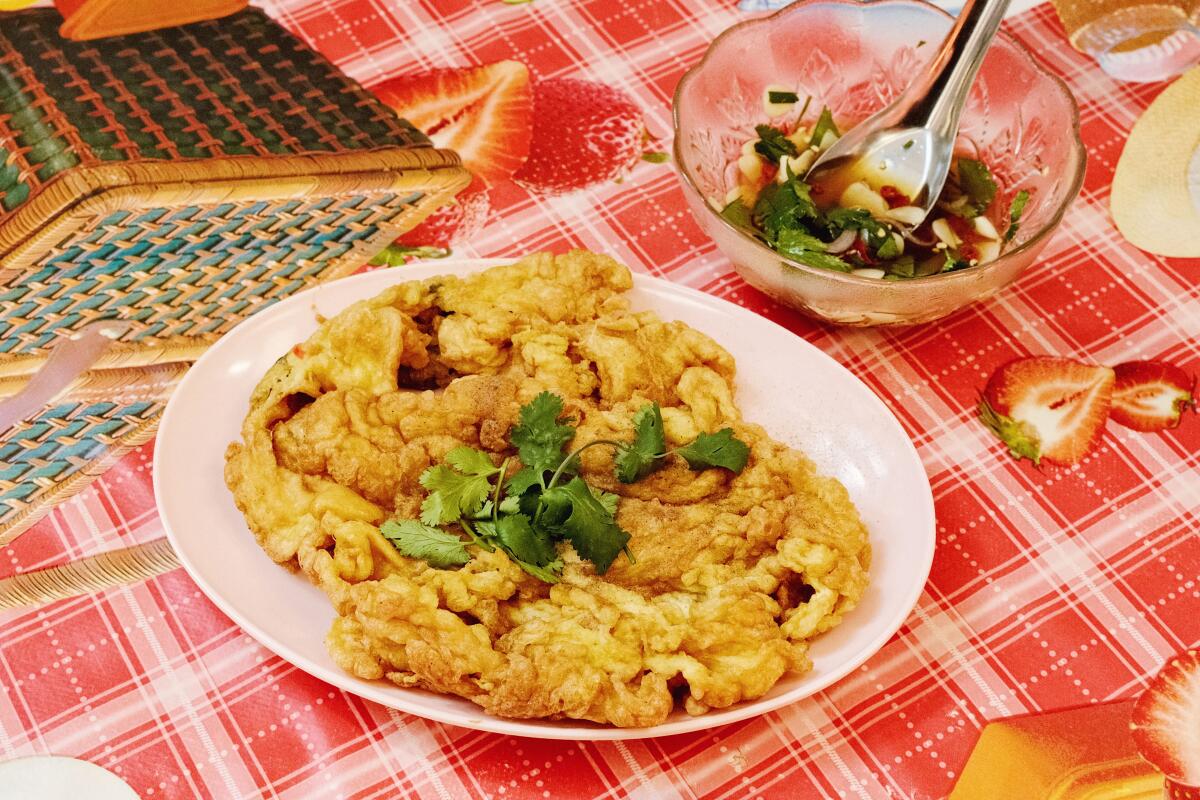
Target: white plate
(60, 778)
(802, 397)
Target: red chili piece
(894, 197)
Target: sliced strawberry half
(1048, 408)
(1166, 722)
(484, 113)
(1151, 395)
(583, 133)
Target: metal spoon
(909, 143)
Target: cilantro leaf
(637, 460)
(825, 124)
(783, 206)
(589, 526)
(903, 267)
(822, 261)
(977, 184)
(840, 219)
(794, 240)
(431, 545)
(609, 501)
(523, 541)
(720, 449)
(524, 478)
(737, 213)
(470, 461)
(452, 496)
(459, 492)
(1014, 214)
(553, 508)
(511, 504)
(953, 262)
(540, 437)
(772, 144)
(486, 529)
(774, 96)
(887, 248)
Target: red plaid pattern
(1049, 589)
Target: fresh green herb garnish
(825, 124)
(1014, 214)
(902, 267)
(799, 245)
(839, 219)
(648, 451)
(526, 543)
(529, 514)
(589, 525)
(655, 157)
(781, 206)
(459, 490)
(639, 459)
(793, 241)
(782, 97)
(524, 480)
(432, 545)
(953, 262)
(977, 185)
(823, 261)
(539, 436)
(785, 213)
(887, 248)
(720, 449)
(737, 213)
(804, 108)
(772, 144)
(908, 144)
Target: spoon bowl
(910, 143)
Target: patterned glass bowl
(855, 58)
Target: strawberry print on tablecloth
(1050, 588)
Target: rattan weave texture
(179, 179)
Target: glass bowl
(855, 58)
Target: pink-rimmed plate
(800, 395)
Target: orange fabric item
(95, 19)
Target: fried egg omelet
(734, 574)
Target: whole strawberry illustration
(584, 133)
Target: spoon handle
(946, 84)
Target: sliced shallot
(842, 243)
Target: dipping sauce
(861, 225)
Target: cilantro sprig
(772, 144)
(648, 450)
(528, 513)
(978, 189)
(1014, 214)
(434, 545)
(825, 124)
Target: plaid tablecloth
(1049, 589)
